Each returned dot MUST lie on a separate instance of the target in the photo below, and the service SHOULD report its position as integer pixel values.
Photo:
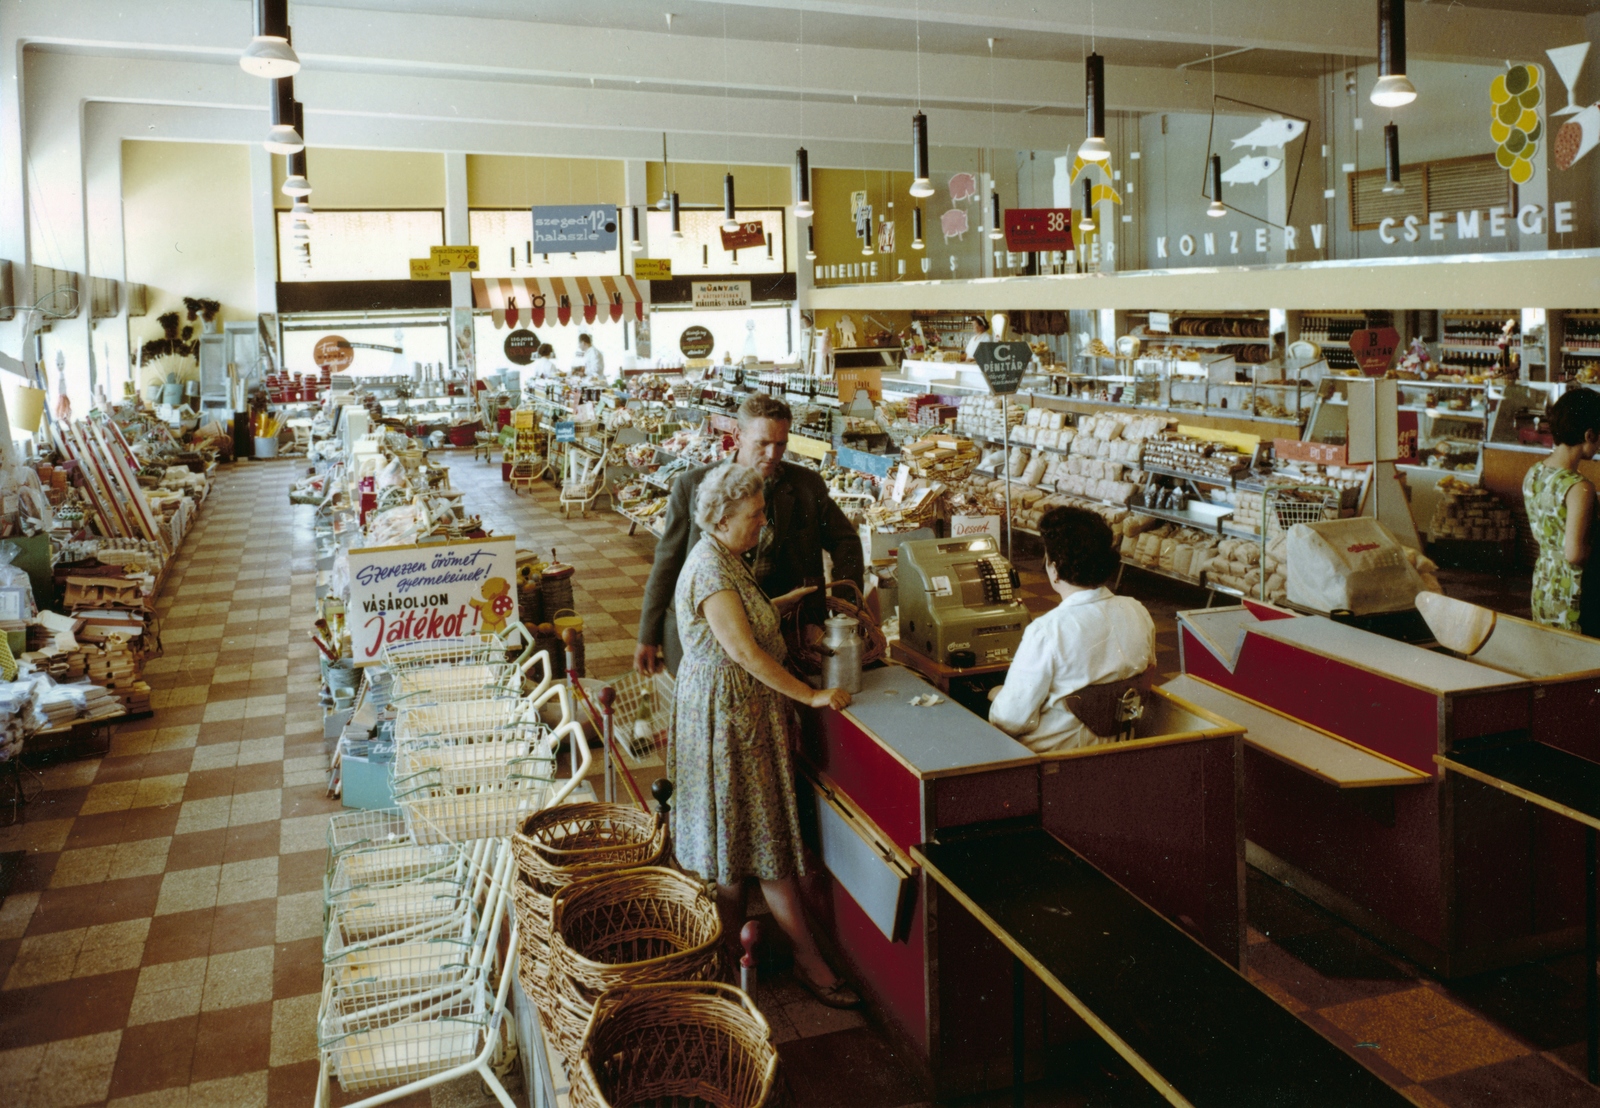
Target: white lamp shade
(1395, 91)
(296, 186)
(269, 56)
(283, 139)
(802, 210)
(1094, 149)
(302, 206)
(922, 187)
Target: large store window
(767, 331)
(359, 245)
(700, 249)
(383, 344)
(504, 239)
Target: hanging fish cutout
(1272, 133)
(1251, 171)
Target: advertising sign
(426, 269)
(411, 594)
(521, 346)
(1003, 364)
(652, 269)
(1029, 229)
(721, 294)
(969, 526)
(696, 342)
(1374, 349)
(454, 259)
(566, 431)
(748, 235)
(574, 228)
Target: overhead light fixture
(666, 197)
(637, 244)
(1394, 89)
(921, 185)
(1086, 224)
(269, 53)
(1094, 148)
(811, 243)
(677, 225)
(296, 184)
(866, 242)
(302, 207)
(1217, 208)
(283, 137)
(802, 184)
(995, 229)
(916, 230)
(1391, 160)
(730, 221)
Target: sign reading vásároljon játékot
(413, 594)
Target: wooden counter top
(945, 740)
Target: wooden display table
(1190, 1025)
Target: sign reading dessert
(416, 594)
(574, 228)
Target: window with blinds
(359, 245)
(1455, 184)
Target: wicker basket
(701, 1041)
(556, 846)
(632, 927)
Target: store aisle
(160, 941)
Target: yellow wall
(186, 228)
(700, 183)
(898, 322)
(509, 181)
(836, 239)
(367, 179)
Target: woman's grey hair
(724, 487)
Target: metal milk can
(841, 653)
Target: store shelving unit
(1580, 346)
(1469, 340)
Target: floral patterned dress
(734, 812)
(1559, 596)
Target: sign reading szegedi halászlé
(1003, 364)
(574, 228)
(412, 594)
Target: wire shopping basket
(641, 714)
(462, 669)
(461, 719)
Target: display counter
(1342, 796)
(1159, 814)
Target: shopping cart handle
(580, 746)
(521, 629)
(543, 658)
(530, 714)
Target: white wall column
(264, 229)
(636, 194)
(456, 225)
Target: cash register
(959, 602)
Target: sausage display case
(1341, 794)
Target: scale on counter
(958, 601)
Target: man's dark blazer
(805, 522)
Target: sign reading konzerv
(574, 228)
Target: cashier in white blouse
(1091, 638)
(594, 364)
(980, 333)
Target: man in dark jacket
(802, 522)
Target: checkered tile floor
(160, 942)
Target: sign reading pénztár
(402, 595)
(574, 228)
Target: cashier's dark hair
(1080, 545)
(1576, 412)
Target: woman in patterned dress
(734, 802)
(1561, 512)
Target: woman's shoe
(838, 995)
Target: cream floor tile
(256, 879)
(177, 737)
(18, 1068)
(294, 1030)
(222, 711)
(276, 667)
(112, 796)
(75, 1071)
(82, 867)
(71, 775)
(43, 959)
(242, 977)
(15, 912)
(203, 815)
(245, 1091)
(48, 835)
(275, 612)
(299, 916)
(230, 674)
(140, 858)
(255, 751)
(301, 833)
(161, 1098)
(158, 792)
(261, 706)
(304, 778)
(169, 663)
(188, 890)
(214, 756)
(184, 696)
(256, 807)
(168, 991)
(206, 632)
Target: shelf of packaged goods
(1228, 482)
(1208, 521)
(1196, 582)
(652, 526)
(1158, 338)
(1577, 353)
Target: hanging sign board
(334, 352)
(1374, 349)
(1029, 229)
(652, 269)
(878, 465)
(574, 228)
(410, 594)
(1003, 364)
(696, 342)
(566, 431)
(721, 294)
(748, 235)
(426, 269)
(521, 346)
(454, 259)
(966, 526)
(852, 381)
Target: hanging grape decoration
(1515, 123)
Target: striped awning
(560, 299)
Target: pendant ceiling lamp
(283, 137)
(677, 225)
(916, 230)
(1391, 159)
(637, 244)
(921, 185)
(1094, 148)
(995, 229)
(296, 184)
(811, 243)
(1217, 208)
(1393, 89)
(1086, 224)
(802, 184)
(666, 197)
(730, 221)
(269, 53)
(302, 207)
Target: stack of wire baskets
(460, 669)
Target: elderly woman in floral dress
(729, 760)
